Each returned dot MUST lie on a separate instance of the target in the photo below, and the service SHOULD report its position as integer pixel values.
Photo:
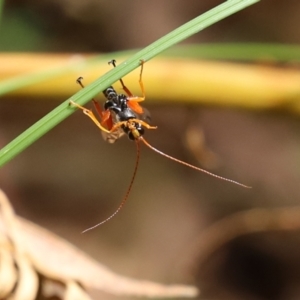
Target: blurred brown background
(71, 179)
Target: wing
(114, 135)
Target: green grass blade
(83, 96)
(239, 52)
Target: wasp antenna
(127, 193)
(191, 166)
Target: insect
(123, 115)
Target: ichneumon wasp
(123, 115)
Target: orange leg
(143, 123)
(104, 115)
(129, 123)
(137, 98)
(133, 100)
(131, 97)
(113, 62)
(91, 115)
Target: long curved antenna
(128, 190)
(191, 166)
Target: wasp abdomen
(110, 94)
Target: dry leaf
(37, 250)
